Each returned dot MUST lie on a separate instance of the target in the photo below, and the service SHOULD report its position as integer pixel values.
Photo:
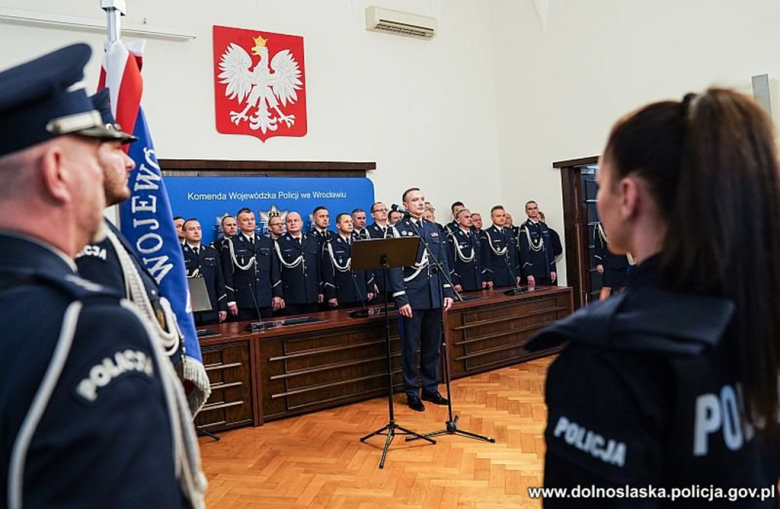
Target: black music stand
(383, 254)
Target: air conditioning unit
(400, 23)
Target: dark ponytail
(711, 164)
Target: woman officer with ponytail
(671, 388)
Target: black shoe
(435, 398)
(415, 403)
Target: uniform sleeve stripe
(41, 400)
(398, 294)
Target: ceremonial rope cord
(248, 265)
(341, 268)
(459, 251)
(534, 247)
(136, 292)
(286, 265)
(498, 252)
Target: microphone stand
(517, 289)
(451, 425)
(391, 429)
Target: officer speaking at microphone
(673, 384)
(421, 294)
(88, 396)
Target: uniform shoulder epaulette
(646, 320)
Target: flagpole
(115, 9)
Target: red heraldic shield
(259, 83)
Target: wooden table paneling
(292, 370)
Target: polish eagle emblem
(264, 89)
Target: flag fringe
(195, 373)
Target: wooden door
(580, 217)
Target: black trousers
(423, 331)
(301, 309)
(251, 313)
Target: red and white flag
(146, 219)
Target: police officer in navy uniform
(299, 255)
(465, 259)
(380, 229)
(421, 294)
(535, 253)
(320, 229)
(673, 383)
(476, 227)
(251, 272)
(229, 227)
(613, 268)
(112, 261)
(359, 224)
(344, 288)
(452, 226)
(203, 262)
(509, 224)
(85, 389)
(499, 252)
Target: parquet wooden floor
(317, 460)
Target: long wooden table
(292, 370)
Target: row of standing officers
(248, 274)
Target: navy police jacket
(99, 263)
(339, 281)
(499, 255)
(535, 250)
(465, 259)
(250, 268)
(206, 264)
(103, 438)
(645, 393)
(421, 284)
(300, 264)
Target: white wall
(560, 90)
(478, 113)
(423, 110)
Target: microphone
(259, 326)
(399, 208)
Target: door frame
(577, 241)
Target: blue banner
(146, 222)
(209, 199)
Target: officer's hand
(600, 269)
(369, 296)
(447, 303)
(531, 281)
(376, 289)
(484, 284)
(233, 309)
(320, 298)
(553, 275)
(517, 280)
(277, 303)
(458, 288)
(490, 284)
(222, 316)
(405, 311)
(334, 303)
